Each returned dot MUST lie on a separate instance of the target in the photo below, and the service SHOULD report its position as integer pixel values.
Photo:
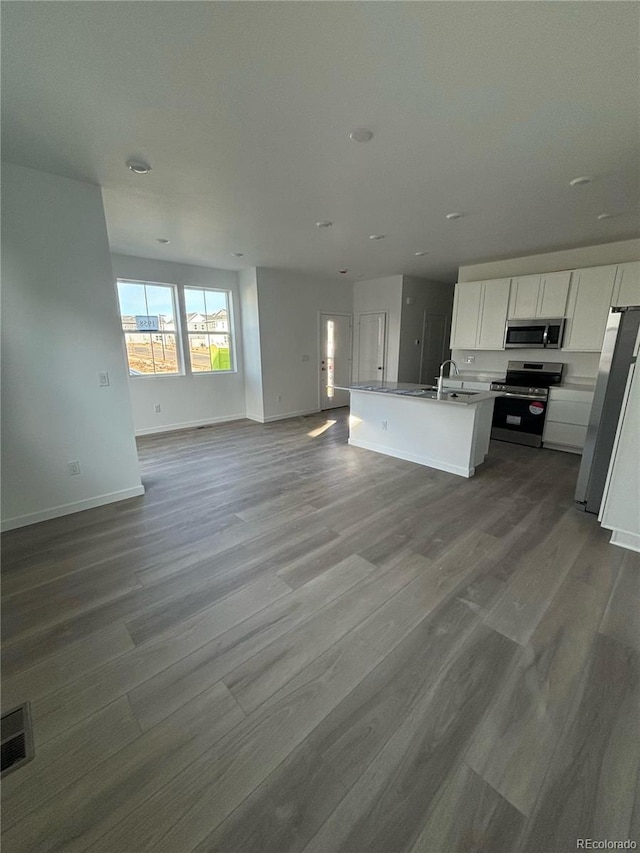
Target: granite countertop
(422, 392)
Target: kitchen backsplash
(579, 365)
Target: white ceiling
(244, 111)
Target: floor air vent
(17, 739)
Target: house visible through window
(149, 324)
(171, 329)
(208, 330)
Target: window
(153, 317)
(208, 330)
(149, 325)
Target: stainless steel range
(519, 415)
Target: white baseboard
(191, 424)
(286, 415)
(565, 448)
(631, 541)
(68, 509)
(413, 457)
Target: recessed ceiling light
(420, 254)
(604, 216)
(361, 134)
(454, 216)
(238, 254)
(324, 224)
(343, 272)
(376, 236)
(138, 166)
(163, 241)
(578, 182)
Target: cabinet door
(493, 317)
(523, 300)
(554, 289)
(590, 295)
(466, 315)
(627, 286)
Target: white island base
(451, 436)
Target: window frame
(177, 333)
(181, 332)
(230, 332)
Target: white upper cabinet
(626, 290)
(467, 303)
(590, 295)
(480, 314)
(584, 296)
(554, 289)
(523, 301)
(493, 317)
(539, 295)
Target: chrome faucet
(441, 376)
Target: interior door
(434, 348)
(371, 346)
(335, 359)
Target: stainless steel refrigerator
(615, 362)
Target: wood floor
(289, 645)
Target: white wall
(254, 396)
(375, 295)
(569, 259)
(289, 306)
(579, 366)
(433, 297)
(185, 400)
(60, 328)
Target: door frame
(385, 343)
(349, 349)
(445, 339)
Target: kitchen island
(449, 430)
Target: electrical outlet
(278, 398)
(384, 426)
(103, 380)
(469, 359)
(157, 408)
(74, 468)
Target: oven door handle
(523, 396)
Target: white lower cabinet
(567, 418)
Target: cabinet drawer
(565, 412)
(570, 395)
(570, 435)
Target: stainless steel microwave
(534, 334)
